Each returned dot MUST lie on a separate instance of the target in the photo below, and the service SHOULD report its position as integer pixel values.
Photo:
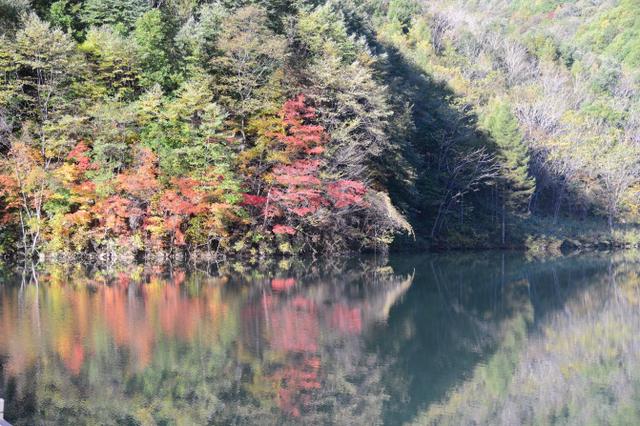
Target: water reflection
(152, 346)
(491, 338)
(575, 364)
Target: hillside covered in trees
(259, 127)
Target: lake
(460, 339)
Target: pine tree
(516, 183)
(402, 11)
(120, 13)
(65, 15)
(154, 47)
(514, 155)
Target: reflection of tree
(113, 349)
(483, 339)
(455, 314)
(145, 347)
(577, 366)
(459, 314)
(313, 358)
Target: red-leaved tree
(299, 195)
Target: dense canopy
(259, 127)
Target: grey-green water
(485, 338)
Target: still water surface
(489, 338)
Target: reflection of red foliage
(303, 303)
(282, 284)
(297, 382)
(75, 359)
(294, 329)
(293, 323)
(165, 311)
(123, 280)
(179, 277)
(346, 320)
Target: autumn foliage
(299, 194)
(143, 206)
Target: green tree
(196, 40)
(403, 12)
(10, 11)
(113, 61)
(120, 13)
(186, 131)
(48, 68)
(153, 37)
(66, 15)
(517, 184)
(324, 31)
(251, 52)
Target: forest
(139, 129)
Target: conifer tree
(402, 11)
(153, 36)
(516, 184)
(120, 13)
(503, 126)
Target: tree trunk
(610, 219)
(504, 222)
(557, 204)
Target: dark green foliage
(122, 14)
(403, 11)
(196, 40)
(153, 35)
(10, 13)
(519, 185)
(66, 15)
